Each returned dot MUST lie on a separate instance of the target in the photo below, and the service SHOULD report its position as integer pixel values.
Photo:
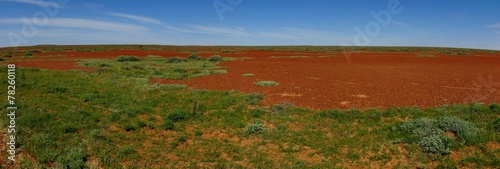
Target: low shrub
(194, 56)
(255, 128)
(175, 60)
(215, 58)
(178, 115)
(254, 98)
(266, 83)
(247, 74)
(128, 59)
(6, 54)
(74, 159)
(496, 124)
(430, 133)
(168, 125)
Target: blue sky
(444, 23)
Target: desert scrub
(6, 54)
(247, 74)
(194, 56)
(430, 133)
(266, 83)
(175, 60)
(215, 58)
(254, 98)
(255, 128)
(128, 59)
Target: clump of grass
(430, 133)
(168, 125)
(194, 56)
(175, 60)
(74, 159)
(126, 151)
(6, 54)
(128, 59)
(254, 98)
(2, 59)
(255, 128)
(248, 74)
(266, 83)
(496, 124)
(130, 127)
(215, 58)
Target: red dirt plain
(362, 80)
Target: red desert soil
(362, 80)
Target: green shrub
(247, 74)
(255, 128)
(126, 151)
(178, 115)
(128, 59)
(58, 89)
(130, 127)
(175, 60)
(6, 54)
(254, 98)
(266, 83)
(2, 59)
(194, 56)
(69, 128)
(496, 124)
(181, 139)
(27, 53)
(96, 135)
(168, 125)
(429, 133)
(436, 144)
(215, 58)
(74, 159)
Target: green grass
(156, 67)
(266, 83)
(116, 118)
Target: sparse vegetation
(266, 83)
(247, 74)
(128, 59)
(116, 118)
(175, 60)
(255, 128)
(194, 56)
(215, 58)
(430, 133)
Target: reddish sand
(362, 80)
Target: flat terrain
(325, 80)
(150, 106)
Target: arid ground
(323, 80)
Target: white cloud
(277, 35)
(494, 25)
(84, 24)
(400, 24)
(237, 31)
(36, 2)
(137, 18)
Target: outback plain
(153, 106)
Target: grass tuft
(266, 83)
